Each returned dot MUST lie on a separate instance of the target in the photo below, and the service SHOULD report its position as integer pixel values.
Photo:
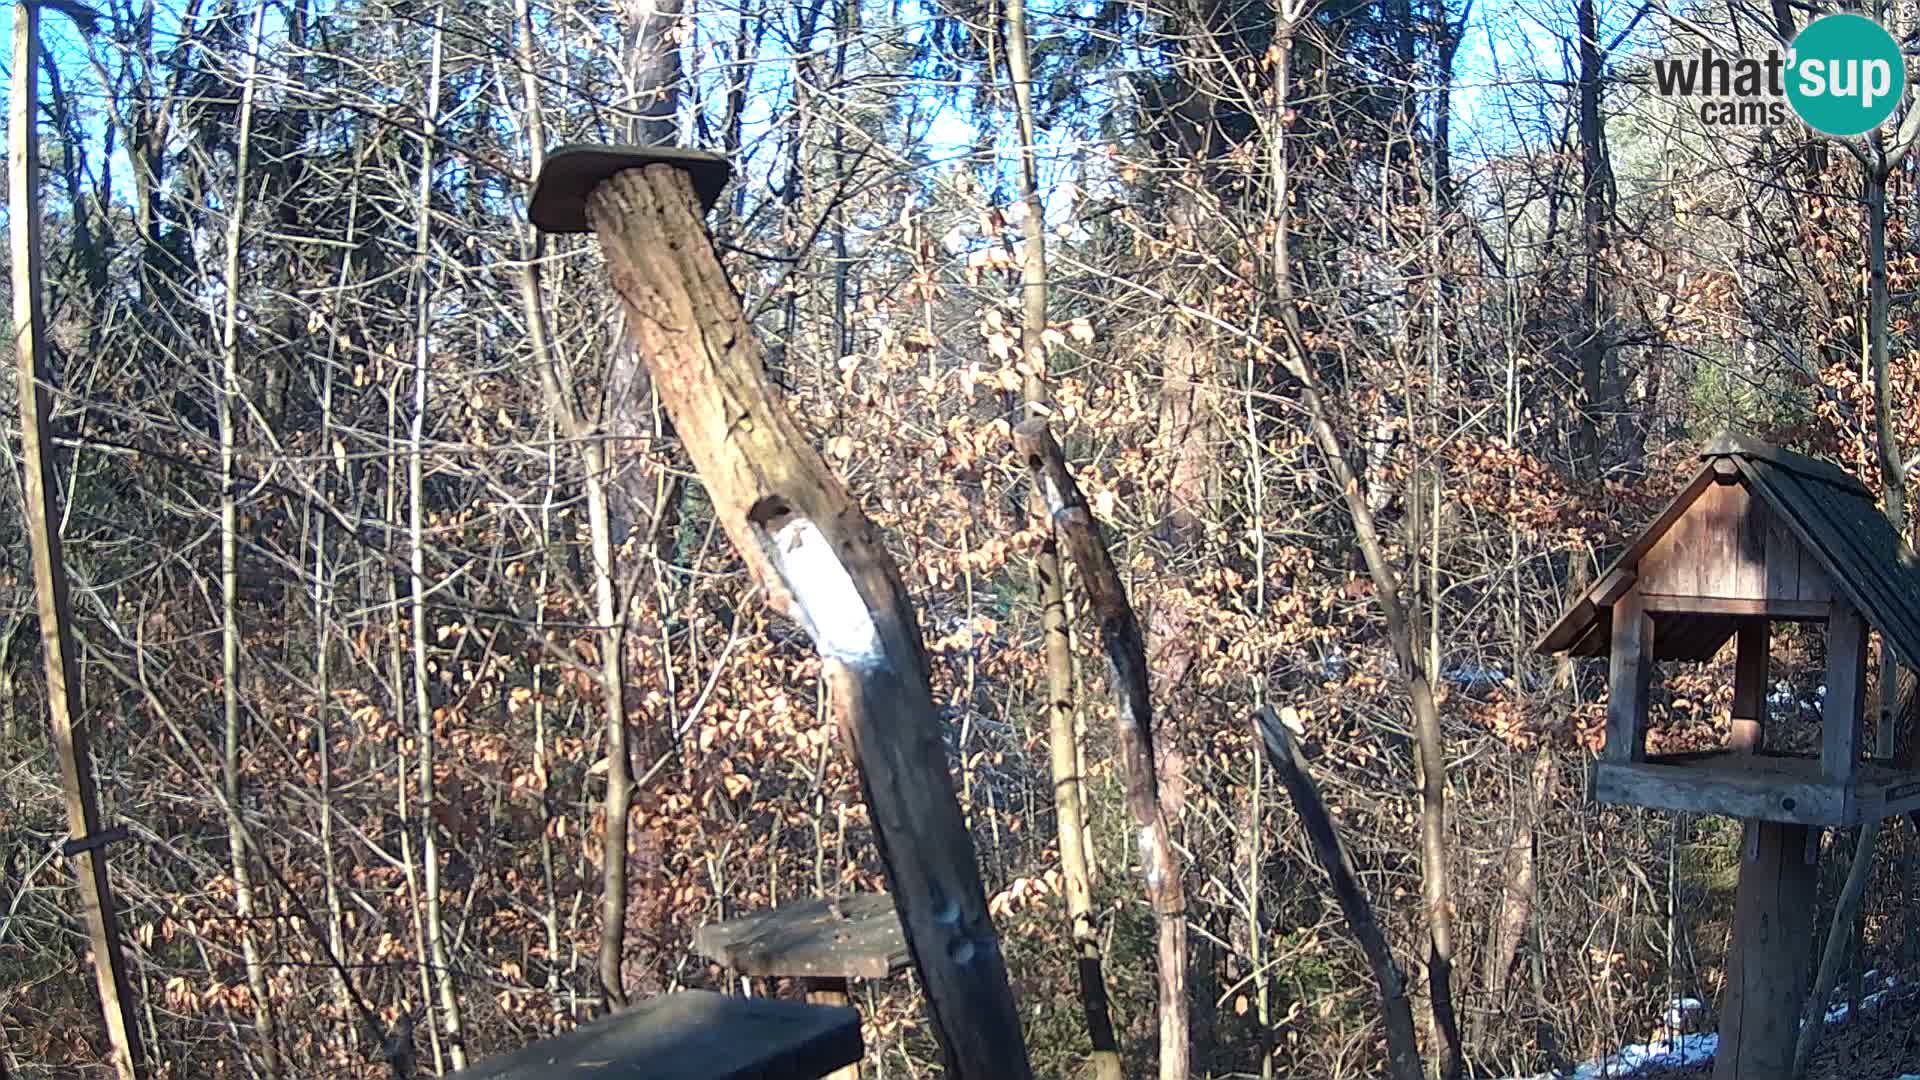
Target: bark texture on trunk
(1064, 751)
(1126, 653)
(822, 563)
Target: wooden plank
(1733, 606)
(1718, 561)
(1666, 549)
(1783, 557)
(1767, 960)
(1749, 685)
(853, 937)
(1711, 787)
(1612, 585)
(1671, 565)
(1842, 720)
(1814, 585)
(821, 562)
(1575, 623)
(1630, 670)
(1752, 548)
(693, 1035)
(1884, 800)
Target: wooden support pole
(1843, 720)
(1629, 674)
(1767, 958)
(1126, 653)
(43, 540)
(822, 563)
(834, 991)
(1403, 1051)
(1749, 685)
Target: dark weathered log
(1403, 1052)
(822, 563)
(1126, 652)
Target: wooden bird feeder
(823, 943)
(1758, 535)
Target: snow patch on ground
(1662, 1053)
(1678, 1049)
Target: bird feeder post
(814, 552)
(1749, 714)
(1767, 957)
(1843, 715)
(1629, 677)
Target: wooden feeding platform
(853, 937)
(823, 943)
(693, 1035)
(1758, 786)
(1758, 535)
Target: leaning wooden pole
(86, 845)
(1133, 720)
(1403, 1050)
(819, 558)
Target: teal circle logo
(1845, 75)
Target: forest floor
(1884, 1044)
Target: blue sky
(1511, 47)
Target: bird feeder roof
(1794, 509)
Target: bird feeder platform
(853, 937)
(823, 943)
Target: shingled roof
(1830, 513)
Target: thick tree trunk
(820, 562)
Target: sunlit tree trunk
(230, 668)
(1064, 750)
(423, 349)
